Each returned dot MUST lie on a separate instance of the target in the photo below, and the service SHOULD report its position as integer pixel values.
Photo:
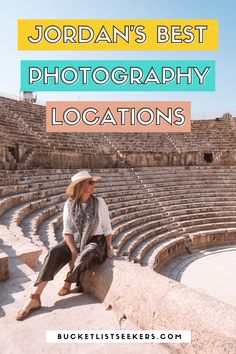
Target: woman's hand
(110, 252)
(72, 261)
(71, 244)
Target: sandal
(64, 291)
(24, 313)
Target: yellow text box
(187, 34)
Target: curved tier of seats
(199, 200)
(156, 213)
(24, 124)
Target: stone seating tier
(154, 211)
(29, 130)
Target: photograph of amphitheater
(174, 229)
(117, 232)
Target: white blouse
(104, 225)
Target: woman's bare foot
(32, 304)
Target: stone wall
(53, 158)
(73, 160)
(160, 303)
(172, 159)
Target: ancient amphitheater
(171, 199)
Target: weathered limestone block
(153, 301)
(30, 256)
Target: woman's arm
(69, 238)
(109, 246)
(109, 240)
(107, 229)
(68, 234)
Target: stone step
(137, 227)
(156, 254)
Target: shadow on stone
(98, 280)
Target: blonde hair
(76, 192)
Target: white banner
(118, 336)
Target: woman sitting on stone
(87, 233)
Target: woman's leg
(66, 286)
(94, 253)
(57, 257)
(33, 303)
(39, 288)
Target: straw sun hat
(79, 177)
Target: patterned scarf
(86, 219)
